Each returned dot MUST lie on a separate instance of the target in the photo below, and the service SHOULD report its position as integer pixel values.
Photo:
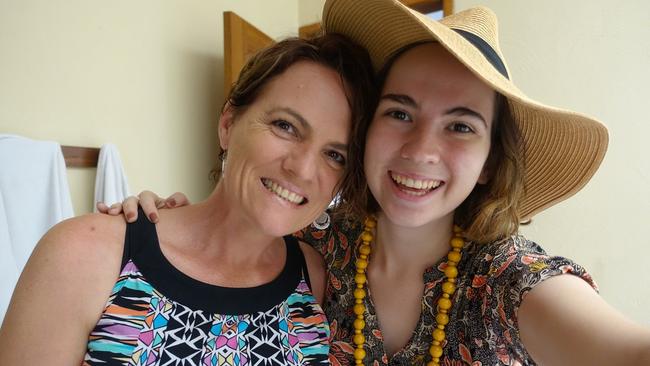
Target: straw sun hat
(563, 149)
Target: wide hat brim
(562, 149)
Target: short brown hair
(491, 210)
(334, 51)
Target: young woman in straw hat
(455, 158)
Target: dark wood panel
(309, 30)
(241, 41)
(80, 157)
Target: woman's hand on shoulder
(150, 203)
(63, 288)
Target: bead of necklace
(444, 302)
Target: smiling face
(287, 150)
(429, 140)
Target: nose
(421, 146)
(301, 163)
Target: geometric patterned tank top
(156, 315)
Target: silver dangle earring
(322, 222)
(223, 157)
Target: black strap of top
(143, 248)
(292, 241)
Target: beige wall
(144, 75)
(592, 56)
(310, 11)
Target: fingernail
(153, 218)
(129, 216)
(171, 202)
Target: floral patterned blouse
(493, 279)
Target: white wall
(144, 75)
(592, 56)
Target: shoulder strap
(293, 249)
(136, 232)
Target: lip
(402, 192)
(286, 185)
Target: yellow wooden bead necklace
(444, 303)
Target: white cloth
(110, 183)
(34, 196)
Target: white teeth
(283, 192)
(423, 184)
(415, 193)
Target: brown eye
(399, 115)
(336, 157)
(284, 126)
(461, 127)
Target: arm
(62, 292)
(563, 321)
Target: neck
(217, 229)
(398, 247)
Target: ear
(489, 167)
(485, 175)
(226, 122)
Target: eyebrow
(410, 102)
(303, 122)
(339, 146)
(464, 111)
(401, 98)
(294, 114)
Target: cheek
(374, 140)
(483, 155)
(469, 160)
(381, 145)
(329, 179)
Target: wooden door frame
(241, 40)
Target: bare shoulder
(316, 267)
(84, 244)
(64, 286)
(87, 228)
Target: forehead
(432, 64)
(313, 91)
(305, 77)
(434, 78)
